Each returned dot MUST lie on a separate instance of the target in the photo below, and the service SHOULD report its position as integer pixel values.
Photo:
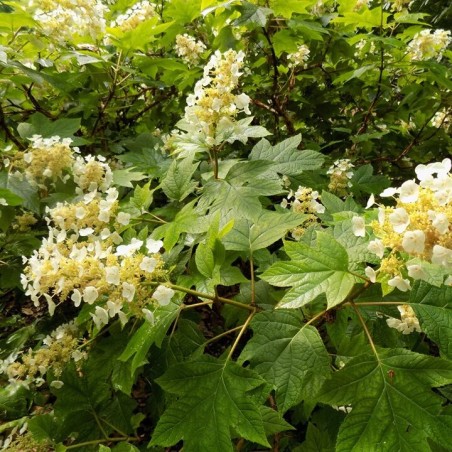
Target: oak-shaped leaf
(389, 401)
(215, 401)
(313, 270)
(289, 355)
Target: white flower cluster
(60, 347)
(408, 321)
(91, 174)
(46, 160)
(213, 100)
(189, 49)
(135, 15)
(306, 201)
(83, 257)
(426, 45)
(417, 232)
(300, 57)
(62, 20)
(340, 173)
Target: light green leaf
(204, 259)
(314, 270)
(252, 14)
(289, 355)
(218, 396)
(177, 183)
(286, 158)
(230, 131)
(11, 198)
(262, 231)
(392, 405)
(142, 197)
(125, 177)
(148, 334)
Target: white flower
(402, 284)
(100, 317)
(123, 218)
(439, 221)
(112, 275)
(358, 227)
(399, 220)
(84, 232)
(148, 264)
(153, 246)
(163, 295)
(76, 297)
(80, 212)
(425, 172)
(113, 308)
(130, 249)
(416, 271)
(90, 294)
(442, 256)
(389, 192)
(409, 191)
(414, 241)
(371, 274)
(128, 291)
(376, 246)
(371, 201)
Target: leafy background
(271, 343)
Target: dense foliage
(225, 225)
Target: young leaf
(323, 269)
(393, 407)
(289, 355)
(213, 397)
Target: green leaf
(205, 261)
(41, 125)
(213, 397)
(252, 14)
(142, 197)
(273, 421)
(42, 427)
(363, 180)
(125, 177)
(177, 183)
(238, 194)
(313, 271)
(393, 407)
(266, 228)
(433, 307)
(289, 355)
(11, 198)
(186, 220)
(286, 8)
(287, 159)
(148, 334)
(13, 404)
(230, 131)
